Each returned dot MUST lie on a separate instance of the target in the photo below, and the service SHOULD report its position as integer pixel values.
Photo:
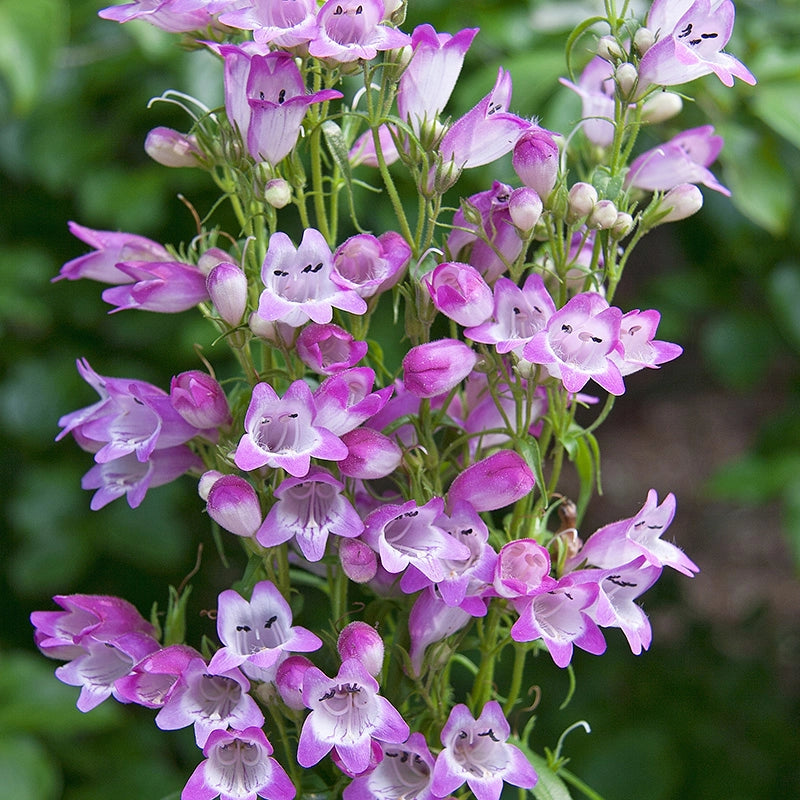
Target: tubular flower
(275, 22)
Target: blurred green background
(711, 712)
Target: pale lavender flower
(637, 330)
(102, 664)
(404, 773)
(257, 634)
(560, 618)
(431, 620)
(167, 287)
(371, 264)
(328, 349)
(363, 150)
(477, 751)
(346, 713)
(152, 680)
(233, 504)
(578, 342)
(128, 475)
(518, 315)
(276, 22)
(174, 16)
(430, 77)
(596, 89)
(209, 702)
(459, 292)
(408, 534)
(300, 283)
(692, 34)
(238, 767)
(110, 248)
(351, 30)
(486, 132)
(436, 367)
(281, 432)
(683, 159)
(494, 482)
(309, 509)
(621, 542)
(200, 400)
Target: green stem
(482, 687)
(575, 781)
(517, 673)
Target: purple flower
(683, 159)
(408, 534)
(360, 640)
(522, 570)
(226, 285)
(300, 282)
(258, 634)
(174, 16)
(110, 249)
(486, 132)
(328, 349)
(578, 344)
(346, 400)
(495, 482)
(460, 293)
(621, 542)
(155, 676)
(289, 681)
(535, 160)
(518, 315)
(350, 30)
(431, 620)
(477, 751)
(370, 454)
(238, 767)
(371, 264)
(404, 773)
(637, 330)
(596, 89)
(430, 77)
(167, 287)
(209, 702)
(128, 475)
(233, 504)
(692, 35)
(561, 618)
(276, 22)
(309, 509)
(435, 368)
(347, 713)
(281, 432)
(200, 400)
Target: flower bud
(277, 193)
(622, 226)
(535, 160)
(207, 480)
(359, 561)
(661, 106)
(582, 198)
(603, 216)
(460, 293)
(289, 680)
(279, 333)
(643, 40)
(627, 76)
(525, 208)
(233, 504)
(371, 455)
(522, 569)
(211, 258)
(227, 288)
(200, 400)
(495, 482)
(609, 49)
(436, 367)
(328, 349)
(171, 148)
(682, 201)
(362, 641)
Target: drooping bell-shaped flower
(578, 342)
(596, 89)
(171, 148)
(346, 713)
(256, 635)
(683, 159)
(486, 132)
(226, 284)
(281, 432)
(328, 349)
(346, 400)
(370, 454)
(299, 283)
(167, 287)
(276, 22)
(430, 77)
(309, 509)
(200, 400)
(110, 248)
(238, 766)
(691, 37)
(351, 30)
(289, 680)
(173, 16)
(152, 680)
(477, 751)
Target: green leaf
(27, 772)
(549, 786)
(778, 105)
(32, 33)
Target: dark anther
(271, 621)
(281, 95)
(245, 628)
(280, 273)
(567, 594)
(359, 9)
(566, 328)
(537, 309)
(686, 31)
(709, 35)
(617, 581)
(404, 757)
(411, 513)
(466, 532)
(516, 310)
(391, 755)
(294, 415)
(327, 696)
(261, 95)
(490, 734)
(338, 11)
(462, 735)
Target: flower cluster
(428, 488)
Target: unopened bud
(277, 193)
(525, 208)
(233, 504)
(609, 49)
(661, 106)
(643, 40)
(622, 226)
(211, 258)
(227, 287)
(362, 641)
(582, 199)
(603, 216)
(682, 201)
(171, 148)
(200, 400)
(627, 76)
(359, 561)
